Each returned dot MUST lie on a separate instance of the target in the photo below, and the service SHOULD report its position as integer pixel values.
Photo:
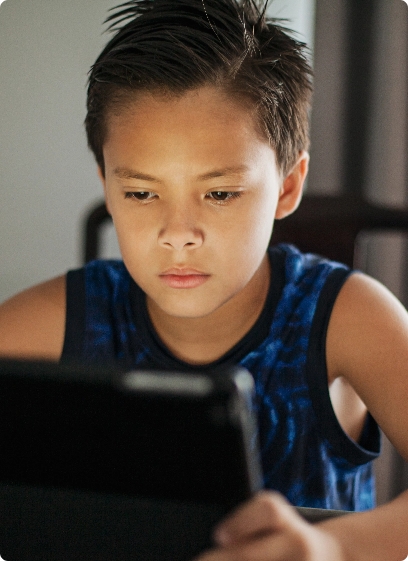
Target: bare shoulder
(366, 313)
(367, 344)
(32, 323)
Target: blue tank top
(305, 453)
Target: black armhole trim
(74, 317)
(316, 373)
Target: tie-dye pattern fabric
(305, 453)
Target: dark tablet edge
(318, 514)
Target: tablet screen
(107, 465)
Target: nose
(181, 231)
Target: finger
(276, 547)
(267, 512)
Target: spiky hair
(174, 46)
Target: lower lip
(184, 281)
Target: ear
(103, 181)
(292, 187)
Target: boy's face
(193, 191)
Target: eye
(139, 195)
(224, 196)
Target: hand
(267, 528)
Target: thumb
(266, 513)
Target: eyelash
(230, 196)
(133, 195)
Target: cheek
(248, 242)
(256, 227)
(132, 236)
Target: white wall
(301, 16)
(47, 176)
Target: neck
(205, 339)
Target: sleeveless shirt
(305, 453)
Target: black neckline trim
(163, 358)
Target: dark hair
(173, 46)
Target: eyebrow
(224, 172)
(125, 173)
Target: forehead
(203, 123)
(204, 105)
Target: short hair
(173, 46)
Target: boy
(197, 116)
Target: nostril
(180, 237)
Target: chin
(188, 310)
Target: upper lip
(182, 272)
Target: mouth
(183, 278)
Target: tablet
(101, 464)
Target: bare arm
(32, 323)
(367, 344)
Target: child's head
(174, 46)
(197, 115)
